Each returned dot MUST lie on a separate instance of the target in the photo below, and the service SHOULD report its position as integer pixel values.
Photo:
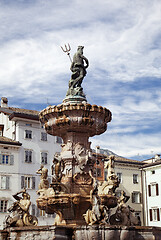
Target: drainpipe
(142, 197)
(145, 217)
(15, 130)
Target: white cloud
(122, 43)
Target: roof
(25, 111)
(119, 159)
(126, 160)
(5, 140)
(20, 113)
(151, 164)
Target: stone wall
(81, 233)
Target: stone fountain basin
(73, 205)
(75, 117)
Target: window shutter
(10, 202)
(11, 159)
(30, 156)
(150, 214)
(33, 182)
(22, 182)
(140, 197)
(7, 182)
(0, 158)
(26, 158)
(37, 212)
(33, 210)
(49, 179)
(149, 190)
(133, 198)
(158, 214)
(157, 189)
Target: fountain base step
(81, 232)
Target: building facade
(24, 146)
(151, 173)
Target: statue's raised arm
(78, 67)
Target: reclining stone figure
(19, 212)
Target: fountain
(81, 203)
(74, 190)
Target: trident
(67, 50)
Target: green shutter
(33, 182)
(150, 215)
(157, 190)
(7, 182)
(133, 197)
(158, 214)
(11, 159)
(22, 182)
(149, 190)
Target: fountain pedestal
(74, 122)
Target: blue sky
(122, 43)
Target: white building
(151, 173)
(24, 146)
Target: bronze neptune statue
(78, 68)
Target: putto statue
(109, 186)
(44, 183)
(99, 214)
(19, 212)
(57, 168)
(79, 72)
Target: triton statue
(78, 69)
(19, 212)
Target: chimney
(97, 149)
(4, 102)
(157, 157)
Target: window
(5, 182)
(3, 205)
(118, 193)
(44, 157)
(1, 130)
(97, 172)
(119, 175)
(28, 134)
(29, 124)
(27, 182)
(153, 172)
(43, 136)
(153, 190)
(97, 162)
(6, 159)
(135, 178)
(42, 213)
(28, 156)
(136, 197)
(154, 214)
(58, 139)
(106, 174)
(137, 214)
